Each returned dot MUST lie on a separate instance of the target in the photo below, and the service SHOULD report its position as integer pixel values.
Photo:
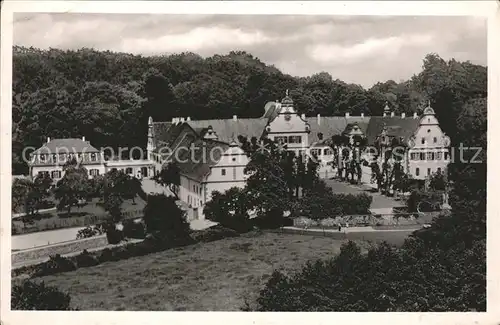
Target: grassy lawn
(89, 214)
(206, 276)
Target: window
(94, 172)
(439, 155)
(435, 140)
(439, 170)
(422, 156)
(295, 139)
(93, 157)
(62, 157)
(128, 170)
(234, 159)
(428, 130)
(423, 140)
(414, 156)
(42, 158)
(429, 156)
(428, 171)
(327, 151)
(320, 136)
(315, 152)
(445, 156)
(417, 171)
(282, 140)
(223, 172)
(54, 158)
(56, 174)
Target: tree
(20, 190)
(170, 176)
(229, 209)
(72, 187)
(165, 221)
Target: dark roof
(196, 163)
(272, 110)
(164, 133)
(229, 129)
(396, 127)
(66, 146)
(332, 125)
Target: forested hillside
(107, 97)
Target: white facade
(429, 148)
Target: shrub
(114, 235)
(132, 229)
(106, 256)
(165, 221)
(85, 259)
(90, 231)
(424, 201)
(33, 296)
(213, 233)
(56, 264)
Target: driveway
(380, 203)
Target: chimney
(235, 118)
(303, 116)
(173, 120)
(188, 119)
(182, 119)
(392, 114)
(415, 115)
(48, 139)
(347, 114)
(403, 115)
(362, 114)
(319, 119)
(83, 138)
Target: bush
(114, 235)
(425, 201)
(56, 264)
(107, 255)
(165, 221)
(90, 231)
(85, 259)
(213, 233)
(33, 296)
(132, 229)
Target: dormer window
(423, 140)
(93, 157)
(42, 158)
(320, 136)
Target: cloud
(358, 49)
(370, 48)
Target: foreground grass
(219, 275)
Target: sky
(355, 49)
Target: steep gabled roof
(229, 129)
(332, 125)
(196, 163)
(396, 127)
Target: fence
(378, 220)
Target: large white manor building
(209, 156)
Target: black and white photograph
(246, 162)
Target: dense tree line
(107, 97)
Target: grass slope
(218, 275)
